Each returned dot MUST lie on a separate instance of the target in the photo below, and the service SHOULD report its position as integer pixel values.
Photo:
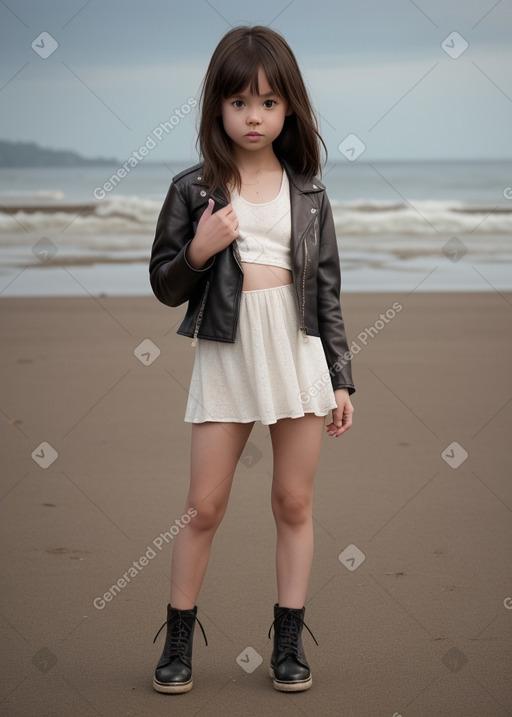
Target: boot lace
(288, 636)
(179, 633)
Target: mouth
(253, 134)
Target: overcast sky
(374, 68)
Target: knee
(291, 510)
(208, 516)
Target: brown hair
(234, 65)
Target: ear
(288, 112)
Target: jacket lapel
(304, 204)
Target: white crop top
(264, 230)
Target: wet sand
(410, 596)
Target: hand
(342, 415)
(214, 233)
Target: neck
(254, 162)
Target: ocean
(401, 227)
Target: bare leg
(296, 443)
(215, 451)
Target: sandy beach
(410, 596)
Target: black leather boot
(288, 665)
(173, 673)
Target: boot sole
(172, 689)
(291, 686)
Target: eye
(237, 103)
(269, 103)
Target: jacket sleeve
(330, 317)
(172, 278)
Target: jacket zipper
(239, 293)
(200, 314)
(236, 257)
(303, 307)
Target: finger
(232, 220)
(331, 429)
(341, 422)
(346, 425)
(229, 219)
(337, 416)
(231, 223)
(226, 211)
(208, 211)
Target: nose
(254, 116)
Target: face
(251, 121)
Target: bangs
(240, 70)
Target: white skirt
(269, 372)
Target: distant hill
(30, 154)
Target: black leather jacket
(214, 292)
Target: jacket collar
(303, 185)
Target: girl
(247, 239)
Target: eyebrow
(268, 94)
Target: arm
(173, 278)
(332, 326)
(330, 318)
